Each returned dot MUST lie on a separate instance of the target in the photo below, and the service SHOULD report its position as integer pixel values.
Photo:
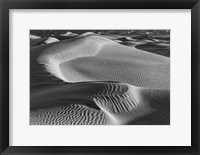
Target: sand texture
(93, 79)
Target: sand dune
(109, 102)
(86, 34)
(73, 114)
(36, 42)
(162, 37)
(69, 34)
(158, 48)
(112, 36)
(42, 41)
(95, 58)
(67, 50)
(92, 80)
(51, 40)
(34, 37)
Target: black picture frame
(5, 5)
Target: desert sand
(91, 79)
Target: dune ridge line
(56, 54)
(94, 58)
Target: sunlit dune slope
(95, 58)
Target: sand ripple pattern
(73, 114)
(127, 85)
(118, 103)
(122, 107)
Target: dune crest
(69, 34)
(122, 108)
(85, 59)
(65, 51)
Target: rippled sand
(93, 80)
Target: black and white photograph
(100, 77)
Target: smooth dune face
(92, 80)
(95, 58)
(54, 55)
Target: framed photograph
(99, 77)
